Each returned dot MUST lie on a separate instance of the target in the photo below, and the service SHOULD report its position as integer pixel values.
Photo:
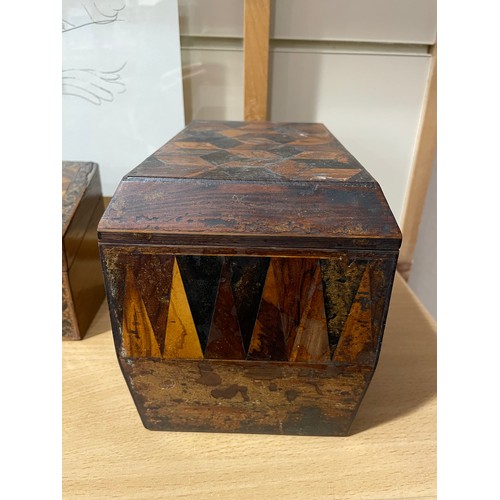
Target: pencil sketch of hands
(90, 12)
(92, 85)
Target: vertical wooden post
(256, 53)
(421, 172)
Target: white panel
(211, 17)
(402, 21)
(405, 21)
(213, 84)
(122, 82)
(371, 103)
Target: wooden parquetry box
(248, 270)
(82, 283)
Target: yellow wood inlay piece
(358, 326)
(181, 340)
(138, 336)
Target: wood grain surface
(219, 212)
(391, 454)
(256, 22)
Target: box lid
(81, 192)
(251, 184)
(76, 177)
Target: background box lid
(258, 184)
(76, 177)
(81, 197)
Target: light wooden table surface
(107, 453)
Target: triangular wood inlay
(138, 336)
(224, 340)
(200, 275)
(268, 341)
(341, 278)
(181, 340)
(295, 278)
(311, 338)
(154, 280)
(357, 335)
(248, 275)
(291, 323)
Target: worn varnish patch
(237, 396)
